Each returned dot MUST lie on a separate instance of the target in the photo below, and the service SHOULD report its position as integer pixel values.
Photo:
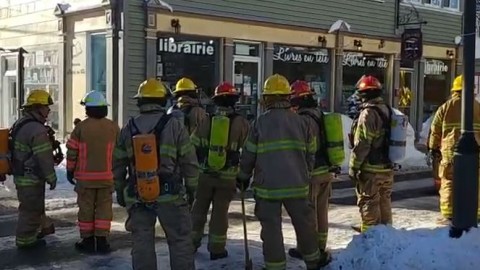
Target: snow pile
(414, 158)
(387, 248)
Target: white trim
(418, 5)
(260, 67)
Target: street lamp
(465, 161)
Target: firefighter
(217, 183)
(188, 103)
(304, 103)
(89, 161)
(177, 159)
(444, 135)
(32, 167)
(370, 167)
(281, 148)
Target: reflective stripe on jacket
(33, 153)
(369, 138)
(237, 135)
(446, 127)
(90, 151)
(176, 152)
(281, 149)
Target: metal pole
(465, 184)
(20, 80)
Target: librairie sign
(300, 55)
(359, 60)
(435, 67)
(195, 47)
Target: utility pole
(465, 161)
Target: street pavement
(415, 194)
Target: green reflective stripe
(18, 146)
(322, 239)
(281, 145)
(44, 147)
(364, 227)
(312, 146)
(51, 178)
(191, 181)
(168, 198)
(217, 239)
(23, 181)
(276, 265)
(228, 174)
(250, 147)
(364, 134)
(161, 199)
(168, 151)
(195, 140)
(22, 241)
(282, 193)
(119, 153)
(320, 170)
(187, 148)
(312, 257)
(374, 168)
(355, 164)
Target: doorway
(247, 78)
(9, 113)
(405, 94)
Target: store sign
(292, 55)
(359, 60)
(412, 46)
(194, 47)
(435, 67)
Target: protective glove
(242, 184)
(70, 177)
(354, 174)
(120, 198)
(53, 185)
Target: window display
(436, 85)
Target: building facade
(246, 41)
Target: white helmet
(94, 99)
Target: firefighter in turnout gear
(304, 103)
(370, 166)
(218, 143)
(281, 149)
(444, 134)
(157, 191)
(32, 166)
(188, 103)
(89, 161)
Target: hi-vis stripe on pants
(94, 211)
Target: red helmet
(368, 83)
(300, 89)
(225, 89)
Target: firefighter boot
(38, 244)
(325, 258)
(87, 245)
(46, 231)
(102, 245)
(294, 253)
(218, 256)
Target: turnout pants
(219, 193)
(446, 191)
(374, 191)
(269, 213)
(31, 214)
(94, 211)
(320, 191)
(174, 218)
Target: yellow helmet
(184, 84)
(151, 88)
(276, 85)
(457, 84)
(38, 97)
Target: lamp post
(465, 161)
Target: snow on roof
(75, 6)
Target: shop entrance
(246, 78)
(405, 92)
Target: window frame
(441, 6)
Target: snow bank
(389, 249)
(414, 158)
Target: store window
(308, 64)
(98, 63)
(41, 72)
(436, 86)
(357, 64)
(188, 56)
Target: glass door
(246, 78)
(9, 113)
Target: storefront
(437, 82)
(305, 63)
(194, 57)
(357, 64)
